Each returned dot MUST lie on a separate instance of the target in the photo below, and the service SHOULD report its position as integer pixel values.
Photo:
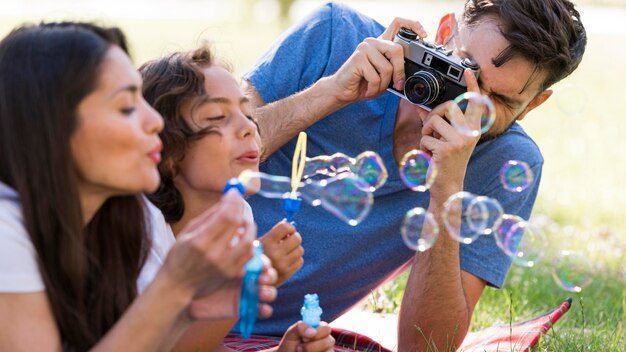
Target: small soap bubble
(417, 170)
(370, 168)
(572, 271)
(339, 162)
(479, 112)
(516, 176)
(318, 165)
(419, 229)
(571, 99)
(519, 240)
(456, 216)
(368, 165)
(484, 215)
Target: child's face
(233, 146)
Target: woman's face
(116, 146)
(233, 146)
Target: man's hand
(373, 65)
(282, 244)
(450, 148)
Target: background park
(581, 131)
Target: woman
(79, 144)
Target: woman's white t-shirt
(162, 241)
(19, 272)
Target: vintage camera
(433, 74)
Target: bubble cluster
(343, 195)
(419, 229)
(518, 239)
(516, 176)
(572, 271)
(479, 114)
(368, 165)
(417, 170)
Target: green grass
(583, 187)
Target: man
(328, 76)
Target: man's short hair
(547, 33)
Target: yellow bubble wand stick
(291, 203)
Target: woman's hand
(208, 264)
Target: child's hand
(282, 245)
(302, 338)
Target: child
(210, 137)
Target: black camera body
(432, 74)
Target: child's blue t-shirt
(342, 263)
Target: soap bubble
(370, 168)
(419, 229)
(484, 215)
(479, 112)
(417, 170)
(318, 165)
(516, 176)
(457, 217)
(572, 271)
(343, 195)
(518, 239)
(340, 162)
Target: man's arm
(282, 120)
(365, 75)
(440, 298)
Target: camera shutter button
(469, 64)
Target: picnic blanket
(516, 337)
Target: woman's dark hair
(547, 33)
(89, 271)
(168, 83)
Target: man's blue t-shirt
(343, 264)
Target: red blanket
(518, 337)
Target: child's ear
(445, 29)
(170, 166)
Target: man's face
(514, 87)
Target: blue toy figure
(249, 304)
(311, 311)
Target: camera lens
(424, 87)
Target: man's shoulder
(342, 16)
(515, 144)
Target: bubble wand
(291, 203)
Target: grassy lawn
(581, 131)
